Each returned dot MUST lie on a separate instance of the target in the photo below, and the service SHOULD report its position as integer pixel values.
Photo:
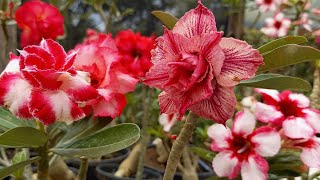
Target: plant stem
(315, 94)
(43, 166)
(179, 144)
(83, 169)
(146, 97)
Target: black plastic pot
(91, 173)
(106, 172)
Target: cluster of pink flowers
(279, 24)
(288, 123)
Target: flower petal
(266, 141)
(56, 50)
(52, 106)
(244, 123)
(167, 105)
(219, 107)
(255, 168)
(312, 116)
(167, 121)
(311, 156)
(296, 128)
(268, 114)
(226, 165)
(219, 135)
(195, 22)
(13, 65)
(241, 62)
(269, 96)
(14, 94)
(302, 100)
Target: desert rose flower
(135, 51)
(304, 21)
(197, 69)
(310, 154)
(41, 83)
(290, 111)
(38, 20)
(167, 121)
(241, 148)
(268, 5)
(278, 26)
(99, 56)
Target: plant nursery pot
(106, 172)
(116, 158)
(204, 171)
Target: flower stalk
(179, 144)
(43, 166)
(83, 169)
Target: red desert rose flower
(41, 83)
(99, 56)
(38, 20)
(135, 51)
(197, 69)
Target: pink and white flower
(197, 69)
(242, 148)
(304, 21)
(167, 121)
(290, 111)
(268, 5)
(249, 102)
(278, 26)
(99, 56)
(42, 83)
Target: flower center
(277, 24)
(240, 144)
(289, 108)
(268, 1)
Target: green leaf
(82, 129)
(288, 55)
(281, 42)
(278, 82)
(166, 18)
(103, 142)
(18, 158)
(9, 121)
(23, 137)
(11, 169)
(203, 153)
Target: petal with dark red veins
(14, 94)
(195, 22)
(219, 107)
(241, 62)
(52, 106)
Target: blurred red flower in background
(135, 51)
(38, 20)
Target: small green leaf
(203, 153)
(11, 169)
(9, 121)
(288, 55)
(166, 18)
(278, 82)
(23, 137)
(18, 158)
(281, 42)
(103, 142)
(82, 129)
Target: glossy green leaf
(288, 55)
(278, 82)
(9, 121)
(11, 169)
(103, 142)
(82, 129)
(18, 158)
(23, 137)
(167, 19)
(281, 42)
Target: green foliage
(23, 137)
(167, 19)
(281, 42)
(18, 158)
(11, 169)
(278, 82)
(9, 121)
(100, 143)
(288, 55)
(203, 153)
